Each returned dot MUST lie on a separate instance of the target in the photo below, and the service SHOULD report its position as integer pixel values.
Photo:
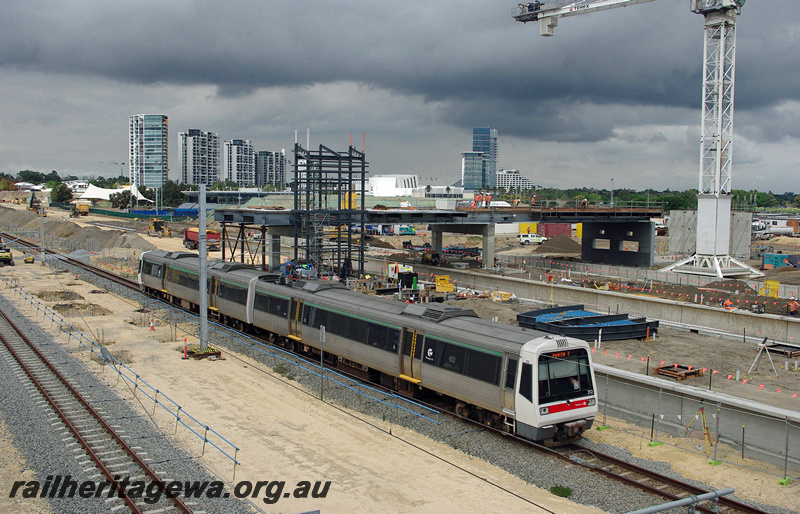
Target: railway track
(105, 449)
(594, 461)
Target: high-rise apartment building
(271, 168)
(484, 140)
(473, 170)
(239, 162)
(148, 150)
(512, 179)
(199, 157)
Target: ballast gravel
(46, 446)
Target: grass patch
(560, 490)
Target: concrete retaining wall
(671, 407)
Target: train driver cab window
(564, 375)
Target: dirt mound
(90, 237)
(559, 244)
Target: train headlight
(591, 402)
(544, 411)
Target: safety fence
(133, 379)
(701, 420)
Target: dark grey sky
(613, 94)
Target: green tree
(60, 193)
(172, 193)
(52, 177)
(34, 177)
(121, 200)
(7, 184)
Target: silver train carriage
(536, 385)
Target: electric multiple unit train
(530, 383)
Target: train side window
(261, 303)
(377, 335)
(279, 307)
(482, 366)
(526, 382)
(357, 330)
(453, 357)
(511, 373)
(147, 268)
(393, 341)
(320, 318)
(337, 324)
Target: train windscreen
(564, 375)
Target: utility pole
(203, 289)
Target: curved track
(629, 474)
(112, 456)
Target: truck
(770, 228)
(192, 242)
(34, 204)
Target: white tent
(98, 193)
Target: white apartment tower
(148, 150)
(199, 157)
(239, 162)
(270, 168)
(511, 179)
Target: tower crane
(716, 138)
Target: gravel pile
(46, 454)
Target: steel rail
(730, 504)
(74, 430)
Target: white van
(527, 239)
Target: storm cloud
(620, 89)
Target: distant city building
(148, 150)
(270, 168)
(511, 179)
(199, 157)
(393, 185)
(473, 170)
(484, 140)
(239, 162)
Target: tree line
(171, 195)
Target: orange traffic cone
(152, 325)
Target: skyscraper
(148, 150)
(270, 168)
(484, 140)
(473, 170)
(199, 157)
(239, 162)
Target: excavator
(158, 228)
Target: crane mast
(716, 139)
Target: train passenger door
(410, 357)
(296, 320)
(509, 381)
(212, 288)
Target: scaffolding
(329, 209)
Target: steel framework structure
(329, 208)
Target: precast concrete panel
(611, 243)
